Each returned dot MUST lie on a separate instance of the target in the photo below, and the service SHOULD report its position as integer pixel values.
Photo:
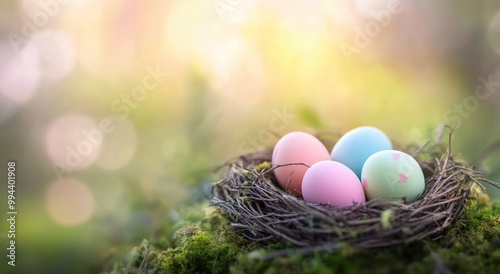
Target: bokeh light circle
(56, 53)
(73, 141)
(19, 73)
(69, 202)
(119, 145)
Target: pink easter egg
(300, 148)
(333, 183)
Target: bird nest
(259, 210)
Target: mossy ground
(204, 243)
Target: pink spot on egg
(365, 182)
(396, 156)
(403, 178)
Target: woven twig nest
(260, 211)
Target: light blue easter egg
(354, 147)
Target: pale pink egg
(333, 183)
(300, 148)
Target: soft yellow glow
(236, 68)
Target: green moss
(200, 252)
(472, 245)
(204, 243)
(263, 166)
(385, 218)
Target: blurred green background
(115, 111)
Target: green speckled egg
(393, 175)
